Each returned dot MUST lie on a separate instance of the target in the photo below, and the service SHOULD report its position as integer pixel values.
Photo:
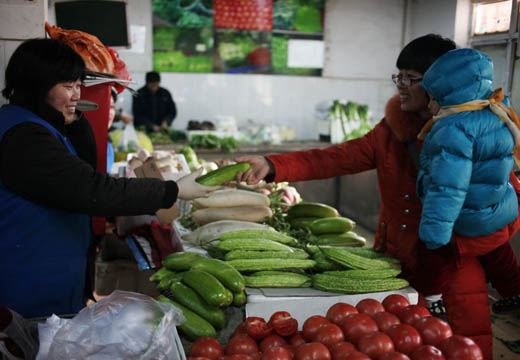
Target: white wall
(19, 20)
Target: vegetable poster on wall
(238, 36)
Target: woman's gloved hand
(189, 189)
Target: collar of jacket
(404, 125)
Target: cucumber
(332, 225)
(186, 296)
(346, 239)
(303, 222)
(195, 326)
(223, 174)
(167, 281)
(208, 287)
(227, 274)
(160, 274)
(308, 209)
(180, 260)
(239, 299)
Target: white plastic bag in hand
(189, 189)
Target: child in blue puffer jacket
(464, 175)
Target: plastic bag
(21, 332)
(128, 141)
(124, 325)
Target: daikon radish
(243, 213)
(209, 232)
(231, 198)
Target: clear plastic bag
(129, 141)
(124, 325)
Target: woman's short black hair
(36, 66)
(419, 54)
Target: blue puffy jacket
(466, 158)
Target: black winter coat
(152, 109)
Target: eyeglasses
(403, 80)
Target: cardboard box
(303, 303)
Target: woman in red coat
(390, 148)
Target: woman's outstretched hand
(189, 189)
(260, 168)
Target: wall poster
(237, 36)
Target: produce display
(368, 330)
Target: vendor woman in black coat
(49, 187)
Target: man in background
(153, 106)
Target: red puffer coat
(384, 149)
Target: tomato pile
(391, 330)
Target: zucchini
(160, 274)
(195, 326)
(270, 264)
(285, 280)
(335, 225)
(348, 259)
(314, 209)
(208, 287)
(239, 299)
(252, 244)
(186, 296)
(365, 274)
(356, 286)
(227, 274)
(261, 234)
(303, 222)
(255, 254)
(223, 174)
(349, 238)
(180, 260)
(167, 281)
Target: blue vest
(43, 250)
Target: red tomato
(411, 313)
(197, 358)
(340, 348)
(297, 339)
(405, 337)
(257, 328)
(241, 344)
(369, 306)
(276, 353)
(271, 341)
(385, 319)
(393, 356)
(460, 348)
(338, 311)
(433, 330)
(312, 351)
(206, 347)
(329, 334)
(354, 326)
(375, 344)
(394, 303)
(283, 323)
(353, 355)
(291, 349)
(427, 352)
(241, 329)
(311, 326)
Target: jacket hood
(459, 76)
(404, 125)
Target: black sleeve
(35, 165)
(172, 109)
(82, 137)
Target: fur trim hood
(404, 125)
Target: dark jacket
(152, 109)
(36, 165)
